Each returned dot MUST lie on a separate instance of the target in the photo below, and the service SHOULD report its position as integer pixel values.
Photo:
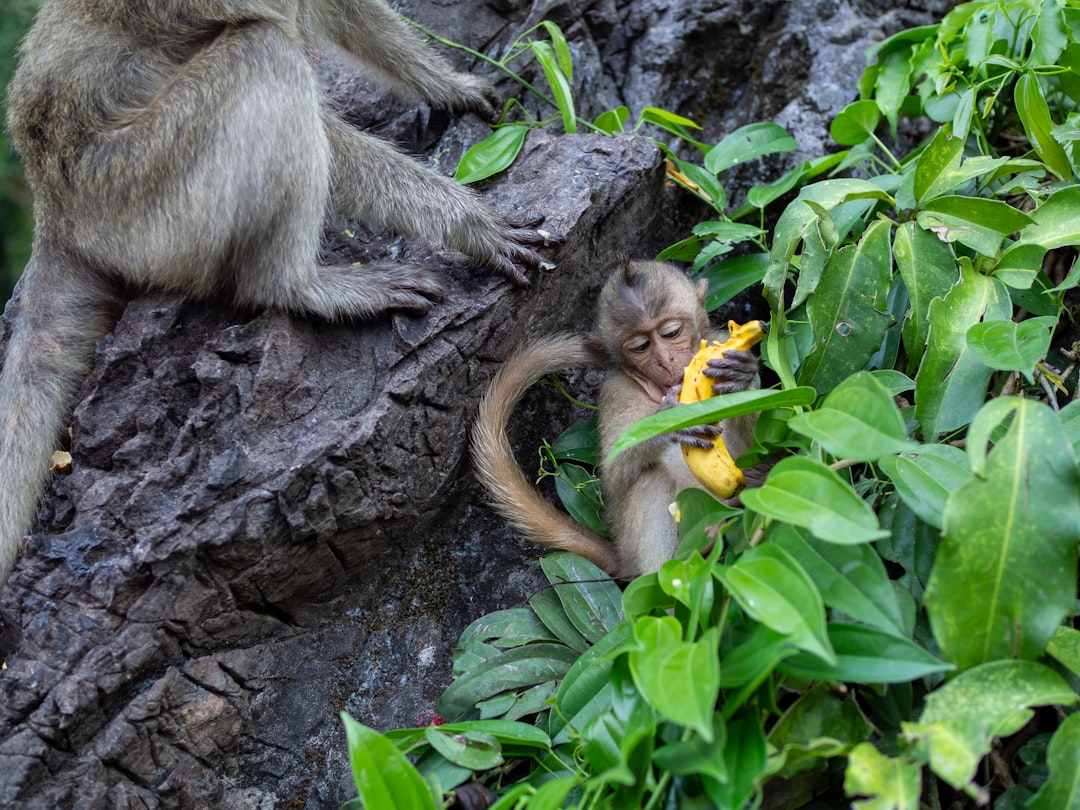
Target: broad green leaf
(515, 668)
(752, 659)
(612, 121)
(936, 164)
(859, 420)
(578, 443)
(1049, 37)
(866, 655)
(848, 312)
(592, 602)
(771, 586)
(680, 679)
(1005, 573)
(508, 628)
(928, 267)
(491, 155)
(579, 491)
(799, 219)
(806, 493)
(696, 756)
(746, 143)
(1065, 647)
(731, 276)
(585, 691)
(1062, 788)
(951, 382)
(889, 784)
(1056, 223)
(1011, 346)
(549, 609)
(976, 222)
(992, 700)
(893, 84)
(560, 47)
(1019, 265)
(551, 795)
(699, 510)
(475, 750)
(761, 196)
(713, 409)
(819, 725)
(559, 83)
(855, 123)
(1035, 116)
(670, 122)
(744, 759)
(927, 477)
(384, 777)
(851, 579)
(701, 182)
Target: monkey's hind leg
(64, 312)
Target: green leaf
(1065, 647)
(1049, 37)
(515, 668)
(579, 491)
(851, 579)
(559, 83)
(1035, 116)
(746, 143)
(1062, 788)
(866, 655)
(891, 784)
(680, 679)
(578, 443)
(976, 222)
(772, 588)
(549, 610)
(713, 409)
(508, 628)
(670, 122)
(963, 716)
(697, 756)
(560, 47)
(1056, 223)
(612, 121)
(855, 123)
(936, 164)
(1019, 265)
(744, 760)
(819, 725)
(592, 602)
(731, 276)
(704, 184)
(848, 312)
(951, 382)
(384, 777)
(859, 420)
(926, 478)
(1011, 346)
(474, 750)
(806, 493)
(1005, 573)
(585, 691)
(929, 270)
(491, 155)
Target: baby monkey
(650, 321)
(186, 145)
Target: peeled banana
(714, 467)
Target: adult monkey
(186, 145)
(650, 322)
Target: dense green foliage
(901, 591)
(15, 219)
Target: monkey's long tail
(513, 496)
(63, 314)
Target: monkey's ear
(702, 289)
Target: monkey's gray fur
(186, 145)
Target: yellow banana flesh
(714, 467)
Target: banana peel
(714, 467)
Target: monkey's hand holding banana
(718, 368)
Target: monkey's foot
(364, 290)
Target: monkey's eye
(637, 345)
(670, 331)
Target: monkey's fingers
(700, 436)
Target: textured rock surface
(271, 519)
